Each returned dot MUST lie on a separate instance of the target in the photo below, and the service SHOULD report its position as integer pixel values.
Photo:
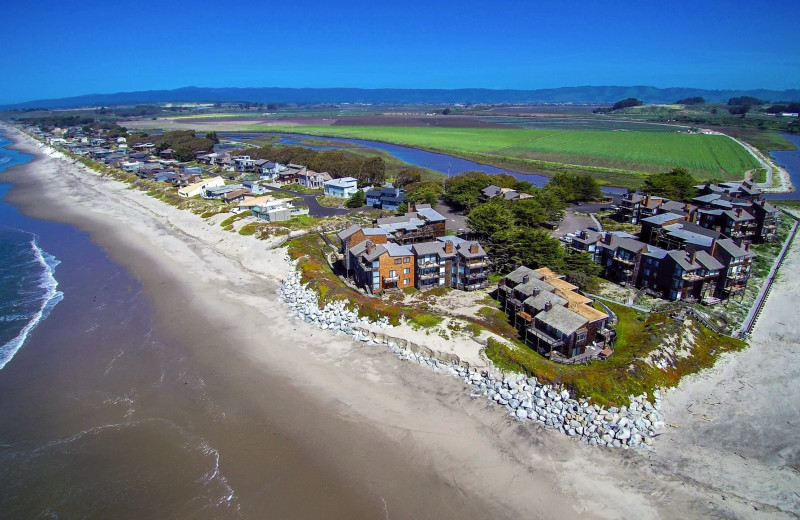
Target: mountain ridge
(578, 95)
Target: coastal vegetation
(631, 370)
(184, 143)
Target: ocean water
(28, 286)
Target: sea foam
(51, 296)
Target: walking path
(784, 183)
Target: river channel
(443, 163)
(790, 160)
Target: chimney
(607, 239)
(747, 246)
(693, 257)
(548, 306)
(687, 208)
(448, 247)
(370, 247)
(738, 212)
(473, 248)
(647, 199)
(526, 279)
(584, 234)
(693, 216)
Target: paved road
(455, 220)
(572, 222)
(314, 207)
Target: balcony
(735, 288)
(513, 302)
(428, 263)
(626, 261)
(543, 336)
(391, 278)
(482, 285)
(477, 263)
(525, 316)
(476, 276)
(694, 276)
(428, 276)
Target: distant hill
(609, 94)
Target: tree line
(368, 171)
(184, 143)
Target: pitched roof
(534, 285)
(464, 250)
(429, 248)
(431, 214)
(708, 261)
(520, 272)
(682, 258)
(342, 182)
(733, 250)
(562, 319)
(740, 217)
(662, 218)
(396, 250)
(343, 235)
(491, 191)
(539, 301)
(249, 202)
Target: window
(392, 274)
(406, 270)
(376, 264)
(406, 281)
(581, 337)
(407, 260)
(398, 261)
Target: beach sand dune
(412, 441)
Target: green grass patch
(331, 202)
(605, 152)
(609, 224)
(250, 228)
(425, 321)
(760, 175)
(227, 224)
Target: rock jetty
(525, 398)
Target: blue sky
(57, 49)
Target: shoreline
(422, 415)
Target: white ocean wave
(52, 296)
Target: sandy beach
(404, 441)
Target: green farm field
(706, 156)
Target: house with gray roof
(552, 317)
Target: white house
(197, 188)
(343, 188)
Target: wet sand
(303, 419)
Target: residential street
(314, 207)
